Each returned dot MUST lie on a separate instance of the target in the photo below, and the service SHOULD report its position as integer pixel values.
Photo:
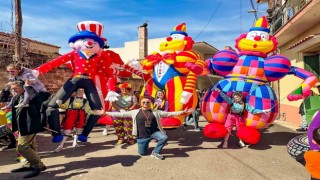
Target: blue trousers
(143, 143)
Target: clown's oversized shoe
(82, 138)
(249, 135)
(170, 122)
(215, 130)
(57, 138)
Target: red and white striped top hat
(93, 26)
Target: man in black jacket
(27, 120)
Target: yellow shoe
(119, 142)
(20, 159)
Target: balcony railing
(285, 13)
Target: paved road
(189, 155)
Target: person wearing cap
(126, 102)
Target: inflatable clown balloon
(87, 61)
(175, 70)
(250, 72)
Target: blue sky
(54, 21)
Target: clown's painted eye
(83, 40)
(264, 36)
(251, 35)
(177, 36)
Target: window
(312, 64)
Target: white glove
(112, 96)
(59, 102)
(185, 96)
(3, 108)
(122, 110)
(35, 72)
(135, 64)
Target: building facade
(297, 29)
(34, 53)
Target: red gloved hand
(170, 56)
(154, 58)
(194, 68)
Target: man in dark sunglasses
(147, 126)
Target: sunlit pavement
(189, 155)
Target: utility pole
(255, 11)
(18, 31)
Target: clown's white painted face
(258, 36)
(86, 44)
(177, 36)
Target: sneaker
(105, 132)
(76, 145)
(34, 172)
(302, 129)
(21, 105)
(21, 169)
(157, 156)
(131, 142)
(225, 145)
(242, 144)
(59, 148)
(21, 159)
(119, 142)
(197, 129)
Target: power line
(214, 12)
(240, 16)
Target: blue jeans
(194, 118)
(143, 143)
(304, 123)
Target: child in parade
(126, 102)
(312, 157)
(160, 102)
(193, 118)
(235, 116)
(5, 98)
(17, 72)
(77, 108)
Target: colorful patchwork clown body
(250, 72)
(175, 70)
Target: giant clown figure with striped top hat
(250, 72)
(91, 68)
(175, 69)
